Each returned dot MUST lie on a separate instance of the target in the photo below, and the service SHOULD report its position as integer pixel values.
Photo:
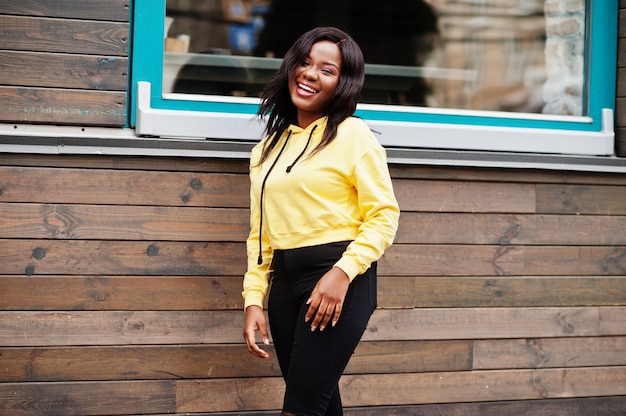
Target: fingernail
(313, 328)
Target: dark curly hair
(276, 101)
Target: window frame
(219, 118)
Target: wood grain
(510, 229)
(137, 293)
(87, 398)
(85, 257)
(34, 328)
(124, 187)
(60, 106)
(76, 9)
(458, 196)
(404, 389)
(111, 258)
(64, 71)
(510, 291)
(549, 352)
(581, 199)
(211, 361)
(595, 406)
(91, 222)
(498, 260)
(34, 34)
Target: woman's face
(314, 81)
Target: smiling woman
(323, 211)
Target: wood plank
(33, 328)
(171, 258)
(137, 293)
(105, 222)
(549, 353)
(214, 361)
(117, 258)
(87, 398)
(175, 164)
(59, 106)
(380, 357)
(117, 10)
(434, 292)
(507, 229)
(25, 33)
(457, 196)
(133, 363)
(99, 293)
(490, 323)
(124, 187)
(65, 221)
(63, 71)
(595, 406)
(581, 199)
(219, 165)
(499, 175)
(497, 260)
(404, 389)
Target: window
(476, 75)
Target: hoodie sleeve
(379, 210)
(256, 280)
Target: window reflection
(500, 55)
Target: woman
(322, 212)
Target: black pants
(313, 362)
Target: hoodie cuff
(253, 298)
(349, 267)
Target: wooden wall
(120, 277)
(64, 62)
(505, 293)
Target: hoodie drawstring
(306, 146)
(260, 258)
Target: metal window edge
(67, 140)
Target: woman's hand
(255, 321)
(327, 299)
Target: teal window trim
(148, 56)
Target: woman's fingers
(255, 321)
(322, 313)
(326, 300)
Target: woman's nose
(310, 72)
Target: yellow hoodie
(342, 193)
